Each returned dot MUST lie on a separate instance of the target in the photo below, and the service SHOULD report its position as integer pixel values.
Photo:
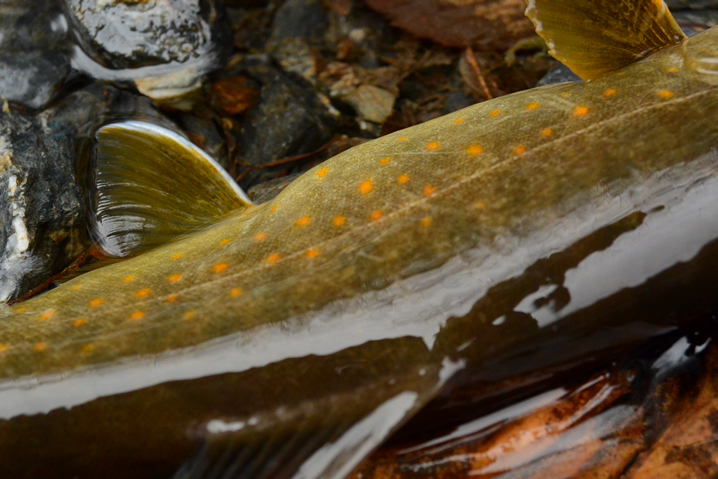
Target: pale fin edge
(149, 185)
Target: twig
(471, 58)
(283, 161)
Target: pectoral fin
(151, 185)
(304, 449)
(593, 37)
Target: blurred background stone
(165, 46)
(34, 51)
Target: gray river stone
(164, 46)
(42, 210)
(34, 51)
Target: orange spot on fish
(171, 298)
(273, 258)
(128, 279)
(580, 111)
(219, 268)
(532, 106)
(672, 70)
(665, 94)
(137, 315)
(474, 150)
(321, 173)
(95, 303)
(547, 132)
(47, 314)
(426, 221)
(188, 315)
(224, 242)
(429, 190)
(303, 221)
(3, 348)
(87, 349)
(402, 138)
(177, 256)
(366, 187)
(260, 236)
(173, 278)
(385, 161)
(339, 220)
(76, 287)
(519, 150)
(458, 121)
(273, 208)
(609, 93)
(143, 293)
(495, 113)
(20, 310)
(432, 146)
(79, 322)
(312, 253)
(565, 95)
(403, 179)
(235, 292)
(39, 347)
(375, 215)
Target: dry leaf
(486, 24)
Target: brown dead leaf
(486, 24)
(688, 447)
(234, 96)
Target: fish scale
(451, 170)
(350, 299)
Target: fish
(289, 339)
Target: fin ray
(308, 449)
(593, 37)
(151, 185)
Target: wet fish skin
(494, 180)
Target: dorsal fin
(593, 37)
(150, 185)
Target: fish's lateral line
(406, 207)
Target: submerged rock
(164, 46)
(34, 59)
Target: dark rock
(559, 74)
(42, 211)
(456, 101)
(165, 47)
(694, 22)
(34, 52)
(205, 134)
(300, 19)
(289, 120)
(691, 4)
(266, 191)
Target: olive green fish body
(392, 208)
(306, 308)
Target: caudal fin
(593, 37)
